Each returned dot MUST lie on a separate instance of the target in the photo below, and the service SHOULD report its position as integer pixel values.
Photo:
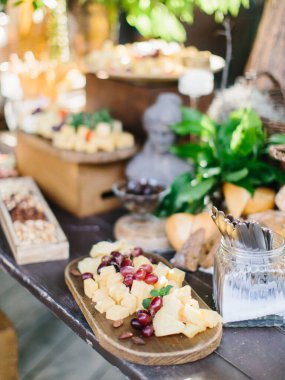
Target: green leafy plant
(162, 18)
(235, 151)
(90, 120)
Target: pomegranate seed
(117, 257)
(127, 270)
(128, 280)
(127, 262)
(137, 252)
(136, 325)
(86, 276)
(148, 331)
(151, 278)
(147, 268)
(144, 319)
(155, 305)
(153, 260)
(102, 265)
(140, 274)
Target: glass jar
(249, 286)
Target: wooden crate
(33, 253)
(78, 182)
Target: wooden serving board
(27, 253)
(169, 350)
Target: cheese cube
(103, 248)
(117, 312)
(139, 305)
(140, 260)
(184, 294)
(173, 284)
(103, 129)
(161, 270)
(194, 303)
(117, 292)
(107, 271)
(176, 275)
(99, 294)
(104, 304)
(193, 316)
(191, 330)
(89, 265)
(140, 289)
(172, 305)
(116, 278)
(130, 302)
(161, 283)
(90, 286)
(211, 317)
(165, 324)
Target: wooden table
(256, 353)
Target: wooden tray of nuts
(140, 308)
(31, 228)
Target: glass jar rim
(277, 251)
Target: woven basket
(276, 94)
(278, 152)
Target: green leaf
(194, 191)
(236, 176)
(154, 293)
(146, 302)
(277, 138)
(195, 123)
(164, 291)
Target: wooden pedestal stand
(8, 350)
(150, 234)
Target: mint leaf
(154, 293)
(164, 291)
(146, 302)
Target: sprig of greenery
(235, 151)
(90, 120)
(162, 18)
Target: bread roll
(178, 228)
(262, 200)
(236, 198)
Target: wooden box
(24, 252)
(81, 183)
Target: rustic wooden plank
(46, 282)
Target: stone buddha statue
(155, 161)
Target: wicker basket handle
(253, 76)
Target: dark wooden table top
(244, 353)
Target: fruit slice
(263, 199)
(117, 312)
(178, 228)
(191, 330)
(90, 287)
(165, 324)
(236, 198)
